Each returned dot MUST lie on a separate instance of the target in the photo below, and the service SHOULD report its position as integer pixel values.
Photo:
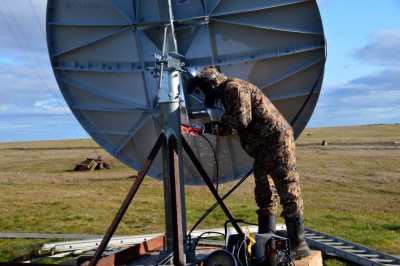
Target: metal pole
(170, 120)
(169, 106)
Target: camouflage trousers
(276, 177)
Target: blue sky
(361, 84)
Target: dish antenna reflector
(100, 51)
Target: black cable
(308, 98)
(242, 246)
(311, 92)
(291, 262)
(196, 241)
(248, 222)
(224, 197)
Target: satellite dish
(100, 51)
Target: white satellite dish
(100, 51)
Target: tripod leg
(210, 185)
(179, 254)
(117, 219)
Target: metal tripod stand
(170, 144)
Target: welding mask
(202, 88)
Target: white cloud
(39, 127)
(369, 99)
(381, 49)
(9, 126)
(389, 79)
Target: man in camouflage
(267, 137)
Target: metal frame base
(171, 145)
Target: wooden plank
(124, 256)
(314, 260)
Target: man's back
(250, 112)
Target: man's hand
(193, 130)
(215, 114)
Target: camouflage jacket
(251, 114)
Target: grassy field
(351, 189)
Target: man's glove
(193, 130)
(215, 114)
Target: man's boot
(296, 235)
(266, 224)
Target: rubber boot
(296, 235)
(266, 224)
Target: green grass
(19, 249)
(351, 189)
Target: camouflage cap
(212, 74)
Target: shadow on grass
(392, 227)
